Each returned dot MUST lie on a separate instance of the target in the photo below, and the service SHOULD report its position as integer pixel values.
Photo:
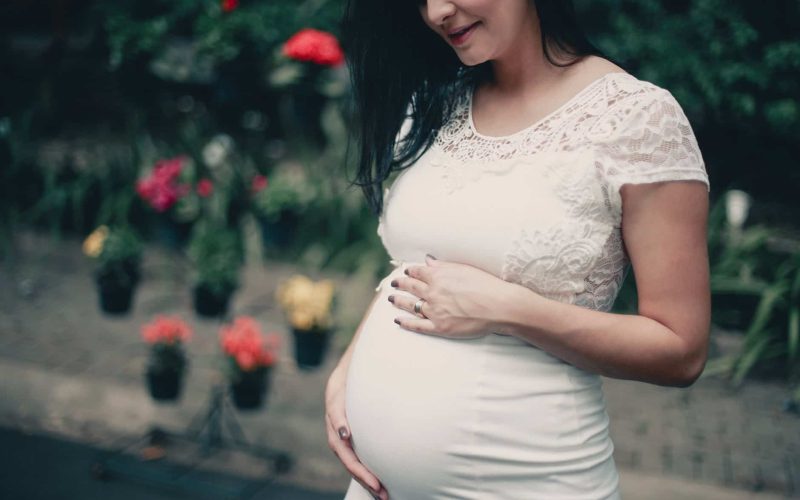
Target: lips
(461, 31)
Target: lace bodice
(541, 207)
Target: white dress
(495, 417)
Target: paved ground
(69, 373)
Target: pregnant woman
(532, 174)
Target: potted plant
(167, 364)
(166, 189)
(280, 203)
(117, 252)
(250, 357)
(308, 308)
(217, 255)
(310, 67)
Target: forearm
(621, 346)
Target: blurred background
(179, 245)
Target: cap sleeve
(644, 138)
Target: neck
(523, 68)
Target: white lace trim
(634, 132)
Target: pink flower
(314, 46)
(204, 188)
(229, 5)
(258, 184)
(161, 189)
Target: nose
(437, 11)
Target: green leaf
(749, 358)
(764, 310)
(793, 339)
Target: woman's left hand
(460, 301)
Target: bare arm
(664, 230)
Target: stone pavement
(68, 370)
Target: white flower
(737, 205)
(217, 150)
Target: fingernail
(406, 271)
(397, 321)
(391, 299)
(393, 283)
(342, 432)
(431, 256)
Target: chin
(472, 61)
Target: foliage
(733, 66)
(117, 252)
(217, 253)
(746, 265)
(288, 189)
(142, 29)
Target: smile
(463, 35)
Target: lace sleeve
(644, 138)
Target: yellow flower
(93, 244)
(307, 304)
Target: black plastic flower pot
(164, 385)
(115, 298)
(250, 389)
(209, 303)
(277, 234)
(310, 347)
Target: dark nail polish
(394, 283)
(397, 321)
(406, 271)
(431, 256)
(391, 299)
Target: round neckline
(471, 123)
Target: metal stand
(208, 430)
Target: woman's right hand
(339, 438)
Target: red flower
(315, 46)
(204, 188)
(229, 5)
(247, 346)
(167, 330)
(258, 184)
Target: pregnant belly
(442, 418)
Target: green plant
(166, 336)
(217, 253)
(744, 265)
(117, 252)
(288, 189)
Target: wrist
(513, 309)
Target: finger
(411, 285)
(338, 426)
(344, 451)
(419, 325)
(381, 494)
(407, 304)
(421, 273)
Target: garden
(214, 134)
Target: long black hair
(397, 63)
